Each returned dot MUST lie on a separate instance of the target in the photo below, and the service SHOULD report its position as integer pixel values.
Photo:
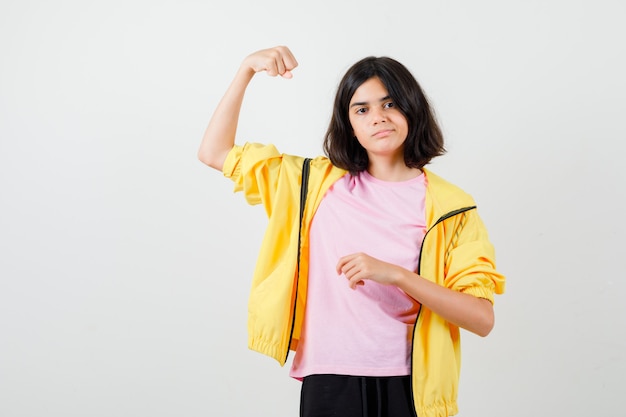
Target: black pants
(356, 396)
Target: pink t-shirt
(366, 331)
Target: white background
(125, 263)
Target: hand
(359, 267)
(275, 61)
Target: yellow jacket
(456, 253)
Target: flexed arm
(219, 137)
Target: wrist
(245, 73)
(401, 277)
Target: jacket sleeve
(255, 170)
(470, 259)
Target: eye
(389, 105)
(360, 110)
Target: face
(378, 124)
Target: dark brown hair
(424, 139)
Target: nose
(378, 115)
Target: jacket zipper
(303, 192)
(419, 266)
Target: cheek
(403, 122)
(358, 133)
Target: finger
(349, 270)
(271, 68)
(343, 261)
(280, 64)
(354, 281)
(289, 60)
(340, 265)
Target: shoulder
(445, 194)
(250, 155)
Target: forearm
(464, 310)
(219, 137)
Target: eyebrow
(364, 103)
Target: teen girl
(393, 259)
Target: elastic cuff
(231, 166)
(480, 292)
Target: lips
(383, 133)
